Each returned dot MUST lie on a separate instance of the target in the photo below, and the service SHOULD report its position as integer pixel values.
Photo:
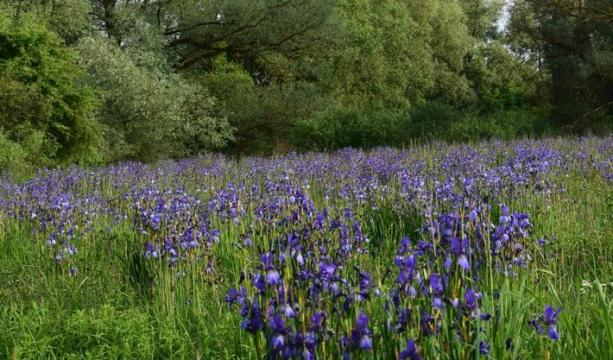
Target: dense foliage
(499, 250)
(109, 80)
(46, 107)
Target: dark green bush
(352, 127)
(504, 124)
(441, 121)
(432, 120)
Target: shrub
(432, 120)
(351, 127)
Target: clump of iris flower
(547, 322)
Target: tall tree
(149, 113)
(399, 54)
(44, 96)
(573, 41)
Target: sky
(503, 20)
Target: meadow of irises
(489, 250)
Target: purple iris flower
(259, 282)
(436, 284)
(360, 334)
(155, 221)
(471, 298)
(403, 319)
(426, 323)
(365, 281)
(253, 321)
(423, 246)
(150, 251)
(447, 264)
(455, 245)
(288, 311)
(327, 271)
(366, 342)
(361, 323)
(299, 258)
(409, 352)
(267, 259)
(549, 319)
(232, 296)
(463, 262)
(277, 324)
(472, 215)
(272, 277)
(437, 303)
(278, 341)
(317, 321)
(484, 347)
(404, 246)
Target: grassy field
(436, 252)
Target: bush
(351, 127)
(474, 128)
(441, 121)
(432, 120)
(12, 157)
(507, 124)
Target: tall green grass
(120, 307)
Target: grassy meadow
(435, 251)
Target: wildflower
(288, 311)
(252, 320)
(426, 324)
(463, 262)
(484, 347)
(327, 271)
(436, 284)
(317, 321)
(470, 299)
(409, 352)
(234, 296)
(360, 334)
(277, 324)
(300, 259)
(272, 277)
(150, 251)
(549, 320)
(365, 342)
(404, 246)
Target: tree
(481, 17)
(149, 113)
(502, 80)
(198, 31)
(573, 42)
(400, 54)
(70, 19)
(44, 97)
(264, 116)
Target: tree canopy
(107, 80)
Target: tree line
(99, 81)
